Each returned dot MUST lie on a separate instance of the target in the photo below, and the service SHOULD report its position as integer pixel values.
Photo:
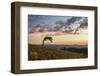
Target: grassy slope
(37, 52)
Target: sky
(39, 19)
(65, 30)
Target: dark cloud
(72, 20)
(62, 26)
(84, 23)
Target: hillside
(38, 52)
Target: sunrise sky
(65, 30)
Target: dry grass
(38, 52)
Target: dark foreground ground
(38, 52)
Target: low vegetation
(38, 52)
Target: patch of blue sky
(50, 20)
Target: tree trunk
(43, 43)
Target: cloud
(72, 20)
(69, 26)
(84, 23)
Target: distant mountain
(66, 46)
